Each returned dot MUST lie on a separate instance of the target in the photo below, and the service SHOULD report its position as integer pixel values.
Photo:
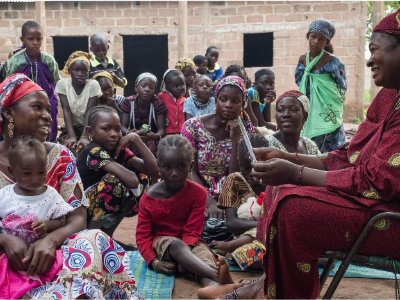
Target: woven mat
(361, 272)
(150, 284)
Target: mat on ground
(150, 284)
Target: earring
(215, 111)
(241, 113)
(11, 128)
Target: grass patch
(367, 96)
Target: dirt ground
(349, 288)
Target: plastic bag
(215, 229)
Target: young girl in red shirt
(170, 222)
(173, 89)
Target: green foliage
(390, 7)
(355, 120)
(367, 96)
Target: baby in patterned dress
(28, 209)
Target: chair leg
(325, 273)
(353, 251)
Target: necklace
(198, 104)
(33, 75)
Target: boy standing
(101, 62)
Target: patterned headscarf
(299, 96)
(323, 27)
(75, 56)
(389, 24)
(143, 76)
(104, 74)
(13, 88)
(236, 81)
(184, 62)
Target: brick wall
(209, 23)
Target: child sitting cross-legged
(239, 197)
(29, 209)
(170, 222)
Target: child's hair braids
(176, 141)
(25, 144)
(256, 141)
(94, 112)
(30, 24)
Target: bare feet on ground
(223, 271)
(254, 290)
(222, 247)
(216, 291)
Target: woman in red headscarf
(25, 110)
(319, 203)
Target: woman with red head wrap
(319, 203)
(25, 110)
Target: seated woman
(77, 96)
(105, 165)
(26, 111)
(215, 138)
(144, 113)
(238, 70)
(237, 190)
(291, 113)
(326, 201)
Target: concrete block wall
(219, 23)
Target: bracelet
(301, 174)
(297, 158)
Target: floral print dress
(213, 156)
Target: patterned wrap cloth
(91, 263)
(13, 88)
(323, 27)
(299, 96)
(75, 56)
(183, 63)
(301, 223)
(236, 81)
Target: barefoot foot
(216, 291)
(224, 276)
(254, 290)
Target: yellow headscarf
(183, 63)
(75, 56)
(103, 74)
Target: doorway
(144, 53)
